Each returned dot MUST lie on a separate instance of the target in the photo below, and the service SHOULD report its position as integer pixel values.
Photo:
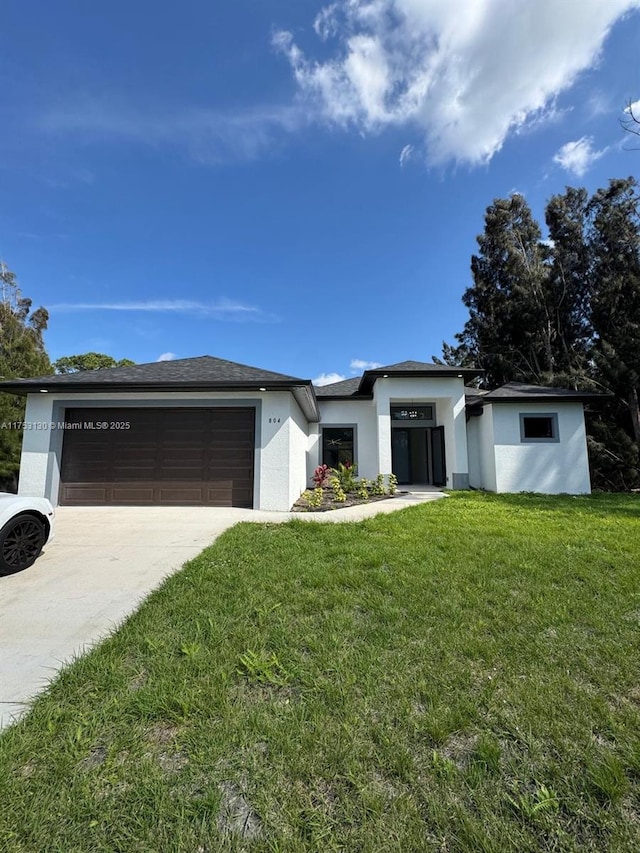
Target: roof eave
(547, 399)
(302, 390)
(306, 399)
(369, 376)
(354, 397)
(27, 386)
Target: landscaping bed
(336, 488)
(329, 502)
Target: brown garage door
(177, 457)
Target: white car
(25, 525)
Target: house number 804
(274, 420)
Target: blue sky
(293, 185)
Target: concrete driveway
(101, 564)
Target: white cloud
(328, 378)
(326, 24)
(222, 310)
(464, 73)
(166, 356)
(577, 157)
(633, 109)
(406, 154)
(357, 365)
(210, 136)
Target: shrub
(346, 473)
(363, 489)
(321, 475)
(338, 492)
(315, 497)
(378, 485)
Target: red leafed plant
(321, 475)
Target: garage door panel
(95, 472)
(181, 495)
(131, 495)
(129, 475)
(168, 456)
(79, 495)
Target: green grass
(459, 676)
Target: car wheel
(21, 541)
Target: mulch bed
(328, 503)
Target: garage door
(176, 457)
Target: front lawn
(459, 676)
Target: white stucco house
(205, 431)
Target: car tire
(21, 541)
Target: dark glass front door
(437, 456)
(401, 454)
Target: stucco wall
(36, 443)
(487, 450)
(549, 467)
(279, 460)
(298, 451)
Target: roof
(339, 390)
(361, 387)
(203, 373)
(473, 395)
(206, 373)
(518, 392)
(423, 367)
(204, 368)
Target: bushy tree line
(564, 311)
(23, 355)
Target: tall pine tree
(569, 285)
(509, 332)
(564, 311)
(615, 302)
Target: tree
(615, 301)
(509, 333)
(569, 285)
(565, 311)
(22, 354)
(88, 361)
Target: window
(539, 427)
(337, 446)
(412, 413)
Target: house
(205, 431)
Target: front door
(401, 454)
(437, 456)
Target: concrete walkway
(103, 562)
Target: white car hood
(11, 505)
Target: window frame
(354, 431)
(554, 438)
(416, 407)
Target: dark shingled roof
(419, 367)
(201, 370)
(361, 387)
(519, 392)
(414, 368)
(204, 373)
(346, 388)
(472, 395)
